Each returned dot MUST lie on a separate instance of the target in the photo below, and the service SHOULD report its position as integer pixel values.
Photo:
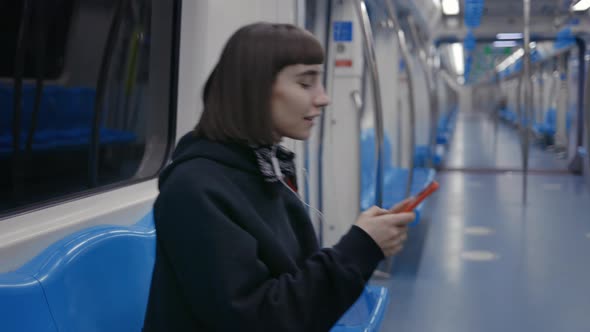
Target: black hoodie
(236, 253)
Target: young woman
(236, 250)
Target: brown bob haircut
(237, 95)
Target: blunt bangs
(296, 46)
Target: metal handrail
(40, 50)
(17, 108)
(564, 92)
(435, 102)
(101, 87)
(432, 97)
(527, 94)
(371, 59)
(403, 45)
(582, 113)
(357, 99)
(452, 83)
(537, 65)
(519, 104)
(585, 105)
(321, 134)
(541, 86)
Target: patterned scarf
(285, 157)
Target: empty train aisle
(481, 261)
(479, 143)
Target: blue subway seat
(94, 280)
(70, 138)
(508, 115)
(112, 269)
(443, 130)
(422, 156)
(394, 179)
(442, 138)
(445, 126)
(548, 127)
(22, 304)
(98, 279)
(64, 119)
(446, 120)
(61, 107)
(367, 313)
(438, 156)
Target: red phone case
(431, 188)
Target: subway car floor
(482, 261)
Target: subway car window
(86, 96)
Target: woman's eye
(305, 85)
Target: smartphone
(427, 191)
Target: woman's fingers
(400, 206)
(397, 219)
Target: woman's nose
(322, 99)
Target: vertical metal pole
(322, 131)
(429, 77)
(527, 95)
(584, 114)
(40, 49)
(503, 103)
(566, 100)
(371, 65)
(540, 84)
(17, 106)
(403, 45)
(101, 92)
(435, 114)
(520, 112)
(371, 59)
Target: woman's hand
(388, 228)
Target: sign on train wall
(347, 48)
(342, 34)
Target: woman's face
(297, 99)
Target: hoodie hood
(255, 159)
(233, 155)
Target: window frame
(170, 143)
